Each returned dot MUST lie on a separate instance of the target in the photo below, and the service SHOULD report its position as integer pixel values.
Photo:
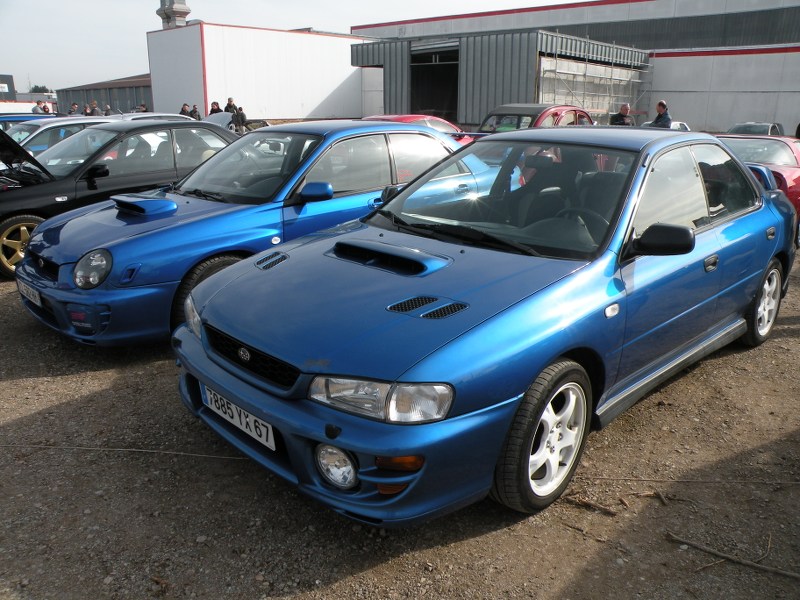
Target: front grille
(45, 268)
(264, 366)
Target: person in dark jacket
(230, 106)
(195, 113)
(663, 119)
(239, 119)
(622, 117)
(214, 108)
(184, 110)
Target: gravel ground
(109, 488)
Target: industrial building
(715, 62)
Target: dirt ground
(109, 488)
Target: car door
(742, 229)
(139, 161)
(359, 168)
(670, 299)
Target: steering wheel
(596, 224)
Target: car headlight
(92, 269)
(395, 403)
(192, 316)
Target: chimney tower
(173, 13)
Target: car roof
(124, 126)
(346, 126)
(527, 109)
(46, 123)
(622, 138)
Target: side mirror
(765, 177)
(389, 192)
(661, 239)
(97, 170)
(314, 191)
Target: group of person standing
(238, 116)
(90, 110)
(623, 117)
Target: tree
(40, 89)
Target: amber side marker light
(407, 464)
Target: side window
(354, 165)
(414, 153)
(673, 193)
(726, 187)
(568, 118)
(195, 146)
(548, 121)
(140, 153)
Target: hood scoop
(395, 259)
(271, 260)
(147, 208)
(445, 307)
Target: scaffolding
(598, 77)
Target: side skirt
(626, 394)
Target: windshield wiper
(402, 225)
(204, 195)
(478, 237)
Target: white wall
(176, 68)
(712, 90)
(272, 74)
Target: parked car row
(401, 325)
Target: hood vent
(145, 207)
(271, 260)
(371, 256)
(411, 304)
(445, 311)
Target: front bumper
(104, 316)
(460, 453)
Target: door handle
(771, 233)
(710, 263)
(462, 189)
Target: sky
(66, 44)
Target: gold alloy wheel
(14, 236)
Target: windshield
(65, 157)
(500, 123)
(759, 150)
(21, 131)
(251, 170)
(551, 199)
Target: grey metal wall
(395, 58)
(495, 69)
(753, 28)
(122, 99)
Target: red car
(508, 117)
(780, 153)
(435, 122)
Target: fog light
(336, 467)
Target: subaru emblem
(244, 354)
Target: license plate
(29, 292)
(252, 426)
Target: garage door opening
(434, 84)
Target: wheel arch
(591, 362)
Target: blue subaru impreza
(463, 339)
(118, 272)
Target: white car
(679, 125)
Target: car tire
(544, 444)
(763, 312)
(14, 235)
(200, 272)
